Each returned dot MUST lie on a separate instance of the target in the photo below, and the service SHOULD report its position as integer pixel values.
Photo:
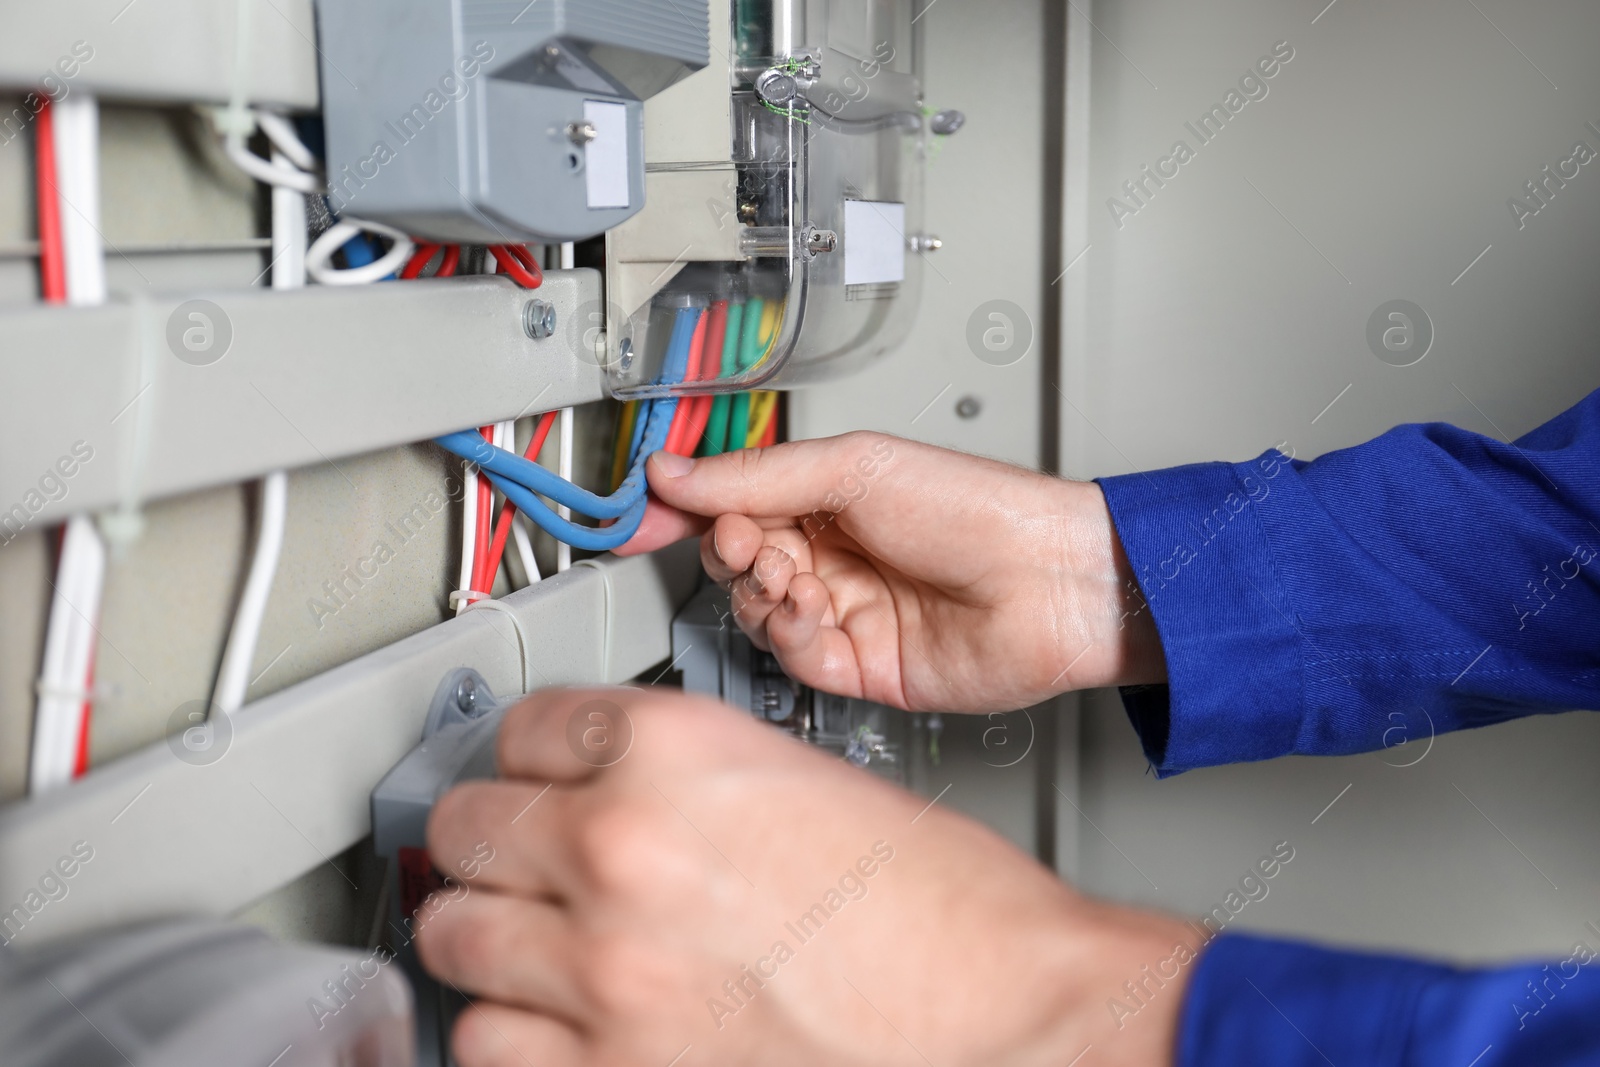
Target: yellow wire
(767, 335)
(764, 406)
(619, 457)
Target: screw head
(818, 241)
(467, 695)
(968, 407)
(625, 354)
(539, 319)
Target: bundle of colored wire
(72, 262)
(523, 481)
(508, 510)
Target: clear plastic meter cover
(828, 142)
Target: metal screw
(625, 353)
(968, 407)
(581, 133)
(925, 242)
(467, 695)
(818, 241)
(776, 86)
(539, 318)
(947, 122)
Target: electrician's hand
(911, 575)
(722, 894)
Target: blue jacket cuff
(1195, 539)
(1255, 1002)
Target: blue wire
(521, 479)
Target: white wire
(272, 174)
(238, 656)
(280, 131)
(564, 469)
(288, 235)
(233, 678)
(519, 534)
(469, 534)
(335, 237)
(77, 141)
(567, 425)
(69, 648)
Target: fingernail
(672, 465)
(716, 548)
(790, 604)
(757, 586)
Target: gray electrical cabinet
(496, 122)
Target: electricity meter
(785, 247)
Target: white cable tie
(76, 694)
(468, 597)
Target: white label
(605, 162)
(874, 242)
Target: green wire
(749, 352)
(716, 436)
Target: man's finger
(504, 835)
(509, 949)
(662, 526)
(492, 1035)
(730, 546)
(566, 735)
(809, 652)
(783, 481)
(761, 589)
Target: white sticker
(605, 162)
(874, 242)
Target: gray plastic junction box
(497, 121)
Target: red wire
(485, 517)
(419, 259)
(770, 437)
(80, 759)
(447, 265)
(680, 418)
(503, 527)
(517, 262)
(522, 253)
(710, 367)
(52, 263)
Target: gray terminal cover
(497, 121)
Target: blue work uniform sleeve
(1255, 1002)
(1431, 578)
